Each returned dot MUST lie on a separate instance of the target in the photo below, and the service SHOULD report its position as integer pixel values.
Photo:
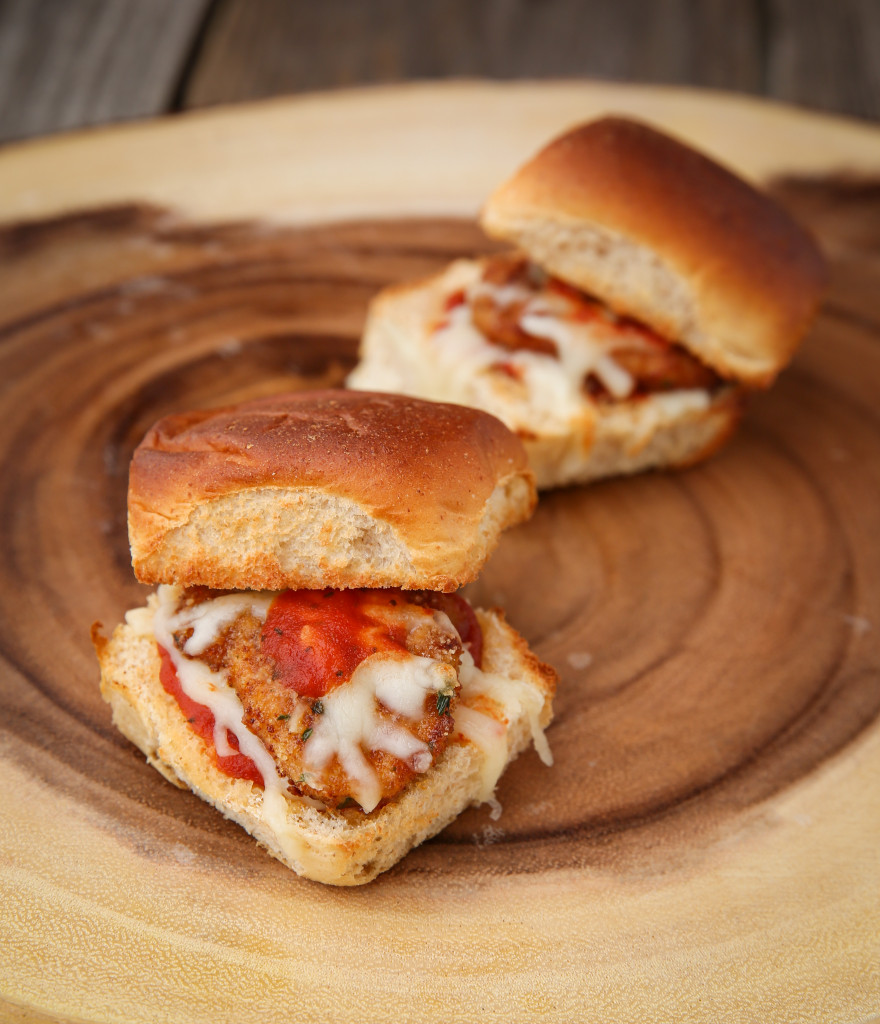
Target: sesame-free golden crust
(755, 277)
(289, 491)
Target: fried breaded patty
(654, 363)
(275, 672)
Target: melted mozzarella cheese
(501, 294)
(580, 353)
(551, 387)
(618, 381)
(211, 617)
(490, 737)
(351, 724)
(672, 404)
(140, 620)
(513, 697)
(211, 689)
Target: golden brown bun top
(425, 470)
(741, 258)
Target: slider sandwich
(649, 291)
(306, 665)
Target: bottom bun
(343, 846)
(567, 444)
(663, 431)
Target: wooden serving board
(707, 846)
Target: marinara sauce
(239, 766)
(316, 639)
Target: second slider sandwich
(649, 290)
(305, 664)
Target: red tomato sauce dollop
(317, 638)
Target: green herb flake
(280, 632)
(306, 734)
(318, 708)
(443, 700)
(190, 719)
(283, 718)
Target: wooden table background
(69, 63)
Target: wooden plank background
(70, 63)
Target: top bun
(663, 234)
(324, 489)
